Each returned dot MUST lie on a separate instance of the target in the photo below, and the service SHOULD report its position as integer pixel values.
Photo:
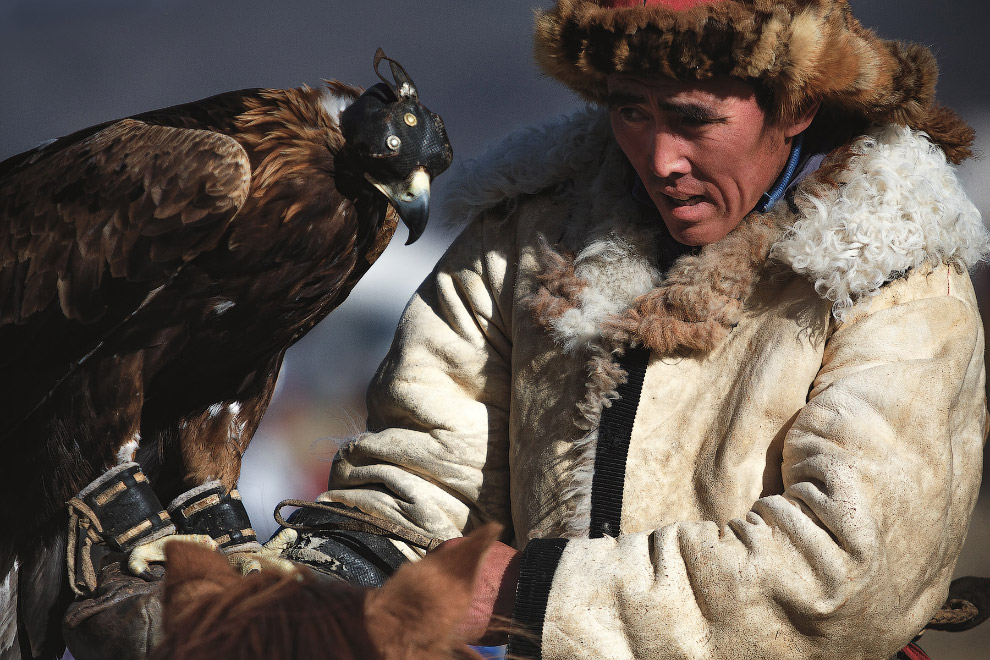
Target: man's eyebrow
(695, 111)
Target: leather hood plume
(402, 145)
(392, 109)
(402, 85)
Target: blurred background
(67, 64)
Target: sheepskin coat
(766, 448)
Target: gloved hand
(122, 618)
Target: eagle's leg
(220, 514)
(213, 439)
(118, 511)
(213, 442)
(211, 511)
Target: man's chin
(700, 233)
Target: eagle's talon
(244, 562)
(255, 562)
(141, 557)
(284, 539)
(267, 556)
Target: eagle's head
(400, 145)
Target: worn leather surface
(213, 512)
(123, 500)
(969, 592)
(357, 557)
(122, 621)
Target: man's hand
(486, 621)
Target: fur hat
(796, 51)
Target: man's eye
(694, 122)
(632, 114)
(699, 121)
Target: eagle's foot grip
(267, 556)
(207, 509)
(140, 558)
(115, 513)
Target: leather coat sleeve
(436, 454)
(881, 470)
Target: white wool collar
(898, 206)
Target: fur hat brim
(800, 51)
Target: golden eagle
(153, 272)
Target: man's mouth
(679, 199)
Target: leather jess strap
(357, 521)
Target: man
(708, 351)
(710, 354)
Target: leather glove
(122, 618)
(361, 558)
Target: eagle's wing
(131, 199)
(121, 205)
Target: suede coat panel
(807, 449)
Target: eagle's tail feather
(42, 594)
(9, 644)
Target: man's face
(704, 150)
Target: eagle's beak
(411, 200)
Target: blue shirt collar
(773, 195)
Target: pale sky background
(67, 64)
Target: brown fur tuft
(692, 313)
(558, 289)
(687, 312)
(948, 130)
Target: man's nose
(669, 155)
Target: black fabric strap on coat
(538, 564)
(541, 556)
(614, 433)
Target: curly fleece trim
(887, 203)
(525, 162)
(898, 206)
